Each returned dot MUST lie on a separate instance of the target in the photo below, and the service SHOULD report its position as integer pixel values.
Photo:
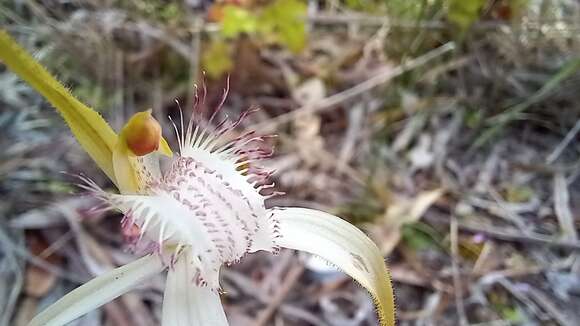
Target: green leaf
(236, 21)
(420, 236)
(463, 13)
(512, 314)
(284, 21)
(216, 58)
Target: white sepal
(343, 245)
(98, 291)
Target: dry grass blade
(367, 85)
(289, 281)
(457, 282)
(562, 208)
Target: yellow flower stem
(89, 128)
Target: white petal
(343, 245)
(185, 304)
(161, 212)
(98, 291)
(170, 223)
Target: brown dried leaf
(38, 281)
(26, 311)
(387, 232)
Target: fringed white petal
(343, 245)
(172, 224)
(98, 291)
(241, 196)
(185, 304)
(160, 217)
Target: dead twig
(563, 144)
(562, 208)
(291, 279)
(457, 286)
(501, 234)
(39, 262)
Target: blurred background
(446, 129)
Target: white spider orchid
(205, 211)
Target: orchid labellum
(205, 210)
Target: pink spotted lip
(208, 207)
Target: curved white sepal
(98, 291)
(343, 245)
(185, 304)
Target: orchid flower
(206, 210)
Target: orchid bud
(142, 133)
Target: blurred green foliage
(397, 8)
(363, 209)
(158, 10)
(496, 124)
(217, 58)
(463, 13)
(420, 236)
(505, 308)
(237, 20)
(284, 22)
(281, 22)
(518, 194)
